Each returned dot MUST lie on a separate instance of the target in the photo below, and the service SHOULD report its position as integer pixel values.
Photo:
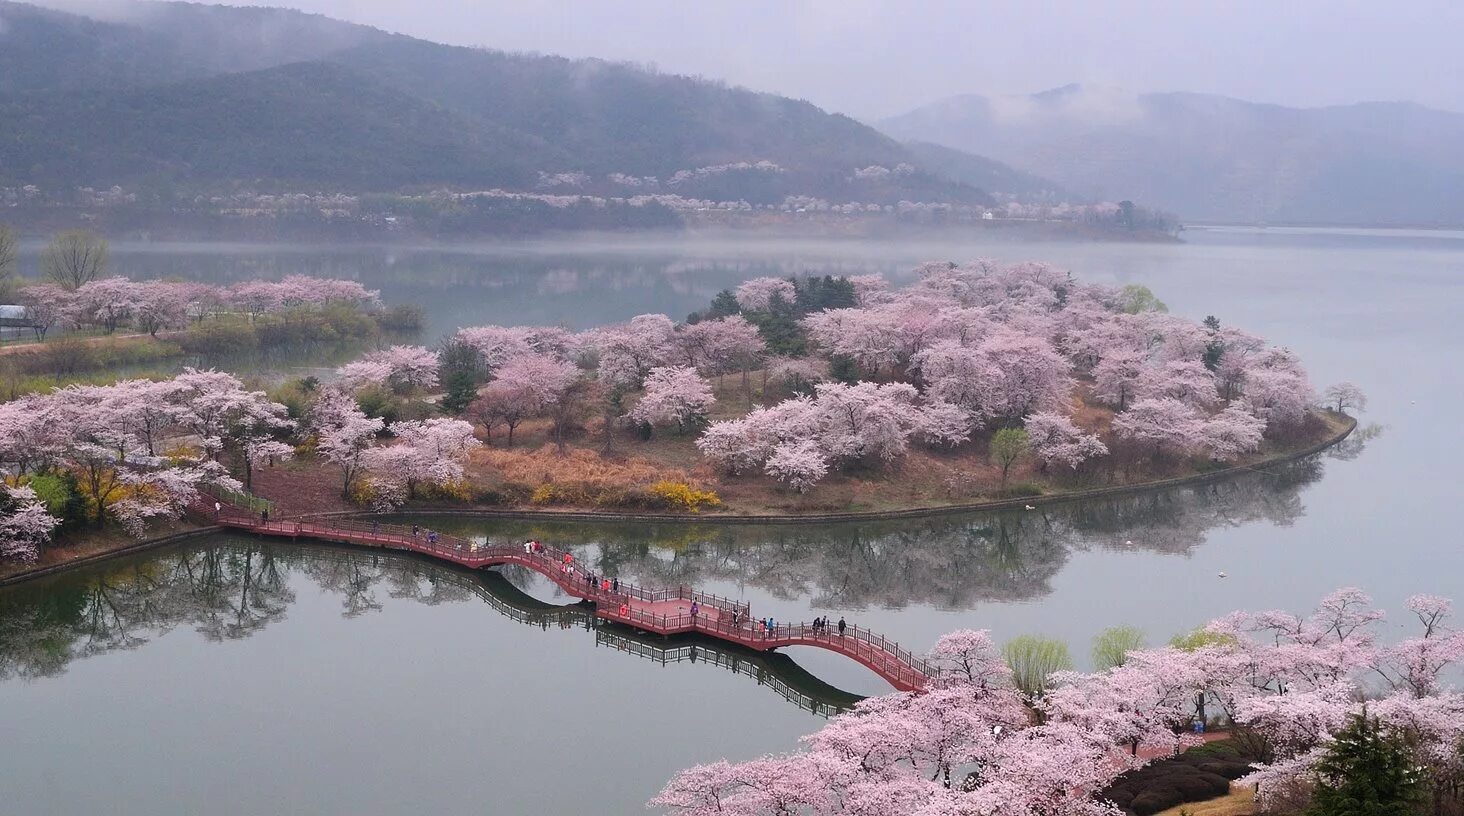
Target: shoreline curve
(788, 519)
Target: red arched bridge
(661, 611)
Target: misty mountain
(1216, 158)
(165, 94)
(154, 43)
(303, 123)
(1000, 179)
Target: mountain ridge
(498, 119)
(1213, 157)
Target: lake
(234, 676)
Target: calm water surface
(230, 676)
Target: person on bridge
(615, 584)
(841, 626)
(264, 515)
(695, 608)
(415, 530)
(605, 585)
(218, 508)
(528, 547)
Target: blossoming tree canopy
(403, 368)
(110, 439)
(986, 346)
(1283, 685)
(156, 305)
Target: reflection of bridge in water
(667, 611)
(778, 672)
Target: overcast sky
(874, 58)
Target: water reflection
(947, 562)
(232, 588)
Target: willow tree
(1112, 646)
(1033, 660)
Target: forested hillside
(203, 98)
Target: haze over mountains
(175, 99)
(182, 94)
(1215, 158)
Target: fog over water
(234, 676)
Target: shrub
(401, 318)
(1019, 490)
(544, 494)
(450, 491)
(682, 496)
(1155, 799)
(62, 497)
(363, 493)
(218, 337)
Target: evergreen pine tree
(1366, 772)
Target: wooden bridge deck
(660, 611)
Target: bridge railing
(876, 651)
(621, 601)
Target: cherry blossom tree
(757, 295)
(942, 423)
(507, 403)
(228, 417)
(496, 345)
(402, 368)
(1232, 432)
(1280, 396)
(1056, 439)
(1345, 395)
(1119, 376)
(544, 379)
(343, 434)
(869, 337)
(32, 433)
(629, 351)
(430, 451)
(1007, 376)
(678, 395)
(107, 302)
(255, 297)
(800, 464)
(159, 305)
(1168, 425)
(870, 289)
(1285, 684)
(1185, 380)
(45, 306)
(25, 526)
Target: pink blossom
(1055, 439)
(800, 464)
(25, 526)
(756, 295)
(678, 395)
(1232, 432)
(1168, 425)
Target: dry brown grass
(1239, 802)
(578, 464)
